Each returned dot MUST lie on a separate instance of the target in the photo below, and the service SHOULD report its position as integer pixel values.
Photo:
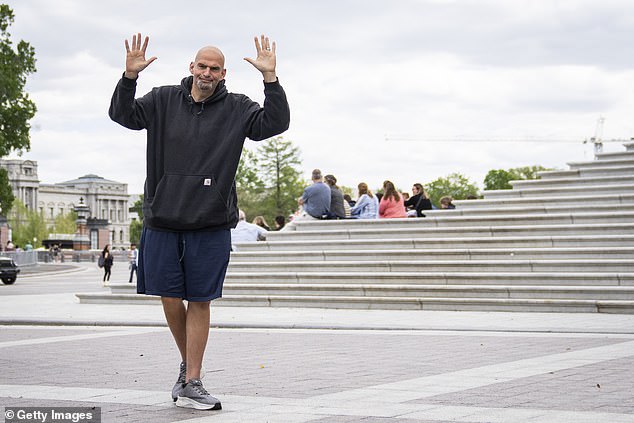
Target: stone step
(389, 279)
(395, 303)
(556, 192)
(578, 181)
(564, 243)
(436, 291)
(509, 265)
(416, 232)
(604, 163)
(451, 218)
(550, 208)
(614, 155)
(281, 247)
(586, 172)
(117, 298)
(582, 201)
(438, 304)
(425, 254)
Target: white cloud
(354, 71)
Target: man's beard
(206, 86)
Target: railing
(22, 258)
(31, 258)
(65, 256)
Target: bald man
(195, 134)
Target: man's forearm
(122, 105)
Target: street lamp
(81, 240)
(83, 212)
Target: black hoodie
(193, 149)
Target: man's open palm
(265, 59)
(135, 60)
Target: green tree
(279, 161)
(455, 185)
(500, 179)
(249, 185)
(136, 226)
(528, 172)
(247, 177)
(65, 223)
(6, 193)
(27, 225)
(16, 109)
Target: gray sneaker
(194, 395)
(180, 382)
(182, 378)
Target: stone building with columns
(107, 201)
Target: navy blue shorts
(190, 265)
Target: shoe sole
(185, 402)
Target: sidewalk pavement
(316, 365)
(63, 309)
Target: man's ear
(191, 68)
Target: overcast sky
(372, 85)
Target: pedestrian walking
(133, 256)
(107, 260)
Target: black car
(8, 270)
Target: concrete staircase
(563, 243)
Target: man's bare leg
(176, 316)
(197, 334)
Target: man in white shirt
(245, 231)
(133, 256)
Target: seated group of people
(324, 200)
(392, 204)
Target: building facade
(107, 200)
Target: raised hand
(265, 59)
(135, 60)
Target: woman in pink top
(392, 204)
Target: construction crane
(598, 140)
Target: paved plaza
(312, 365)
